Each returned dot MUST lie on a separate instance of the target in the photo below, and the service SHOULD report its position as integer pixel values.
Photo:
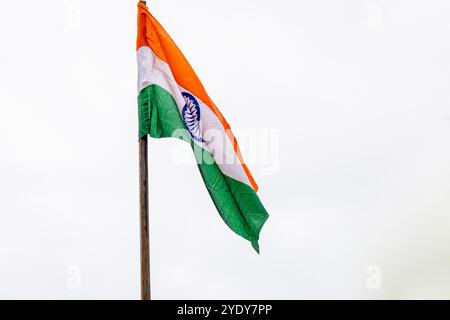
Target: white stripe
(153, 70)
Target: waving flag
(173, 103)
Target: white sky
(348, 102)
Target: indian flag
(174, 103)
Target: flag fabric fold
(172, 102)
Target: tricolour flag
(174, 103)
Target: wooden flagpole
(144, 217)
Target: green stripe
(237, 203)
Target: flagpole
(144, 217)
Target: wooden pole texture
(144, 219)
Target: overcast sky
(343, 112)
